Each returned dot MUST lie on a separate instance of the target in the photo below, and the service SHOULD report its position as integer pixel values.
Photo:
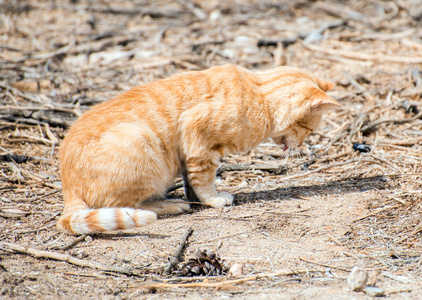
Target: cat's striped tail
(89, 221)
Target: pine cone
(205, 263)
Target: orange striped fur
(122, 154)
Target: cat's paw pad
(222, 199)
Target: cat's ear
(323, 101)
(324, 85)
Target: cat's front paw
(222, 199)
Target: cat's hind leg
(165, 207)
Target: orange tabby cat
(122, 154)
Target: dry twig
(375, 212)
(416, 230)
(66, 258)
(324, 265)
(175, 258)
(225, 282)
(73, 243)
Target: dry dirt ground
(301, 220)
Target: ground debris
(361, 147)
(357, 279)
(205, 263)
(374, 291)
(15, 158)
(178, 254)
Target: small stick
(73, 243)
(175, 186)
(407, 142)
(95, 275)
(225, 237)
(401, 174)
(3, 268)
(226, 282)
(417, 229)
(271, 168)
(374, 124)
(354, 83)
(375, 212)
(45, 56)
(324, 265)
(45, 195)
(45, 227)
(42, 108)
(65, 257)
(174, 259)
(199, 13)
(353, 160)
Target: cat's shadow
(344, 186)
(122, 234)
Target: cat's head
(297, 101)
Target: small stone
(45, 84)
(79, 253)
(374, 291)
(357, 279)
(236, 270)
(229, 53)
(26, 86)
(76, 61)
(416, 13)
(215, 16)
(372, 278)
(88, 239)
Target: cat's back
(158, 105)
(143, 104)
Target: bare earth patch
(301, 219)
